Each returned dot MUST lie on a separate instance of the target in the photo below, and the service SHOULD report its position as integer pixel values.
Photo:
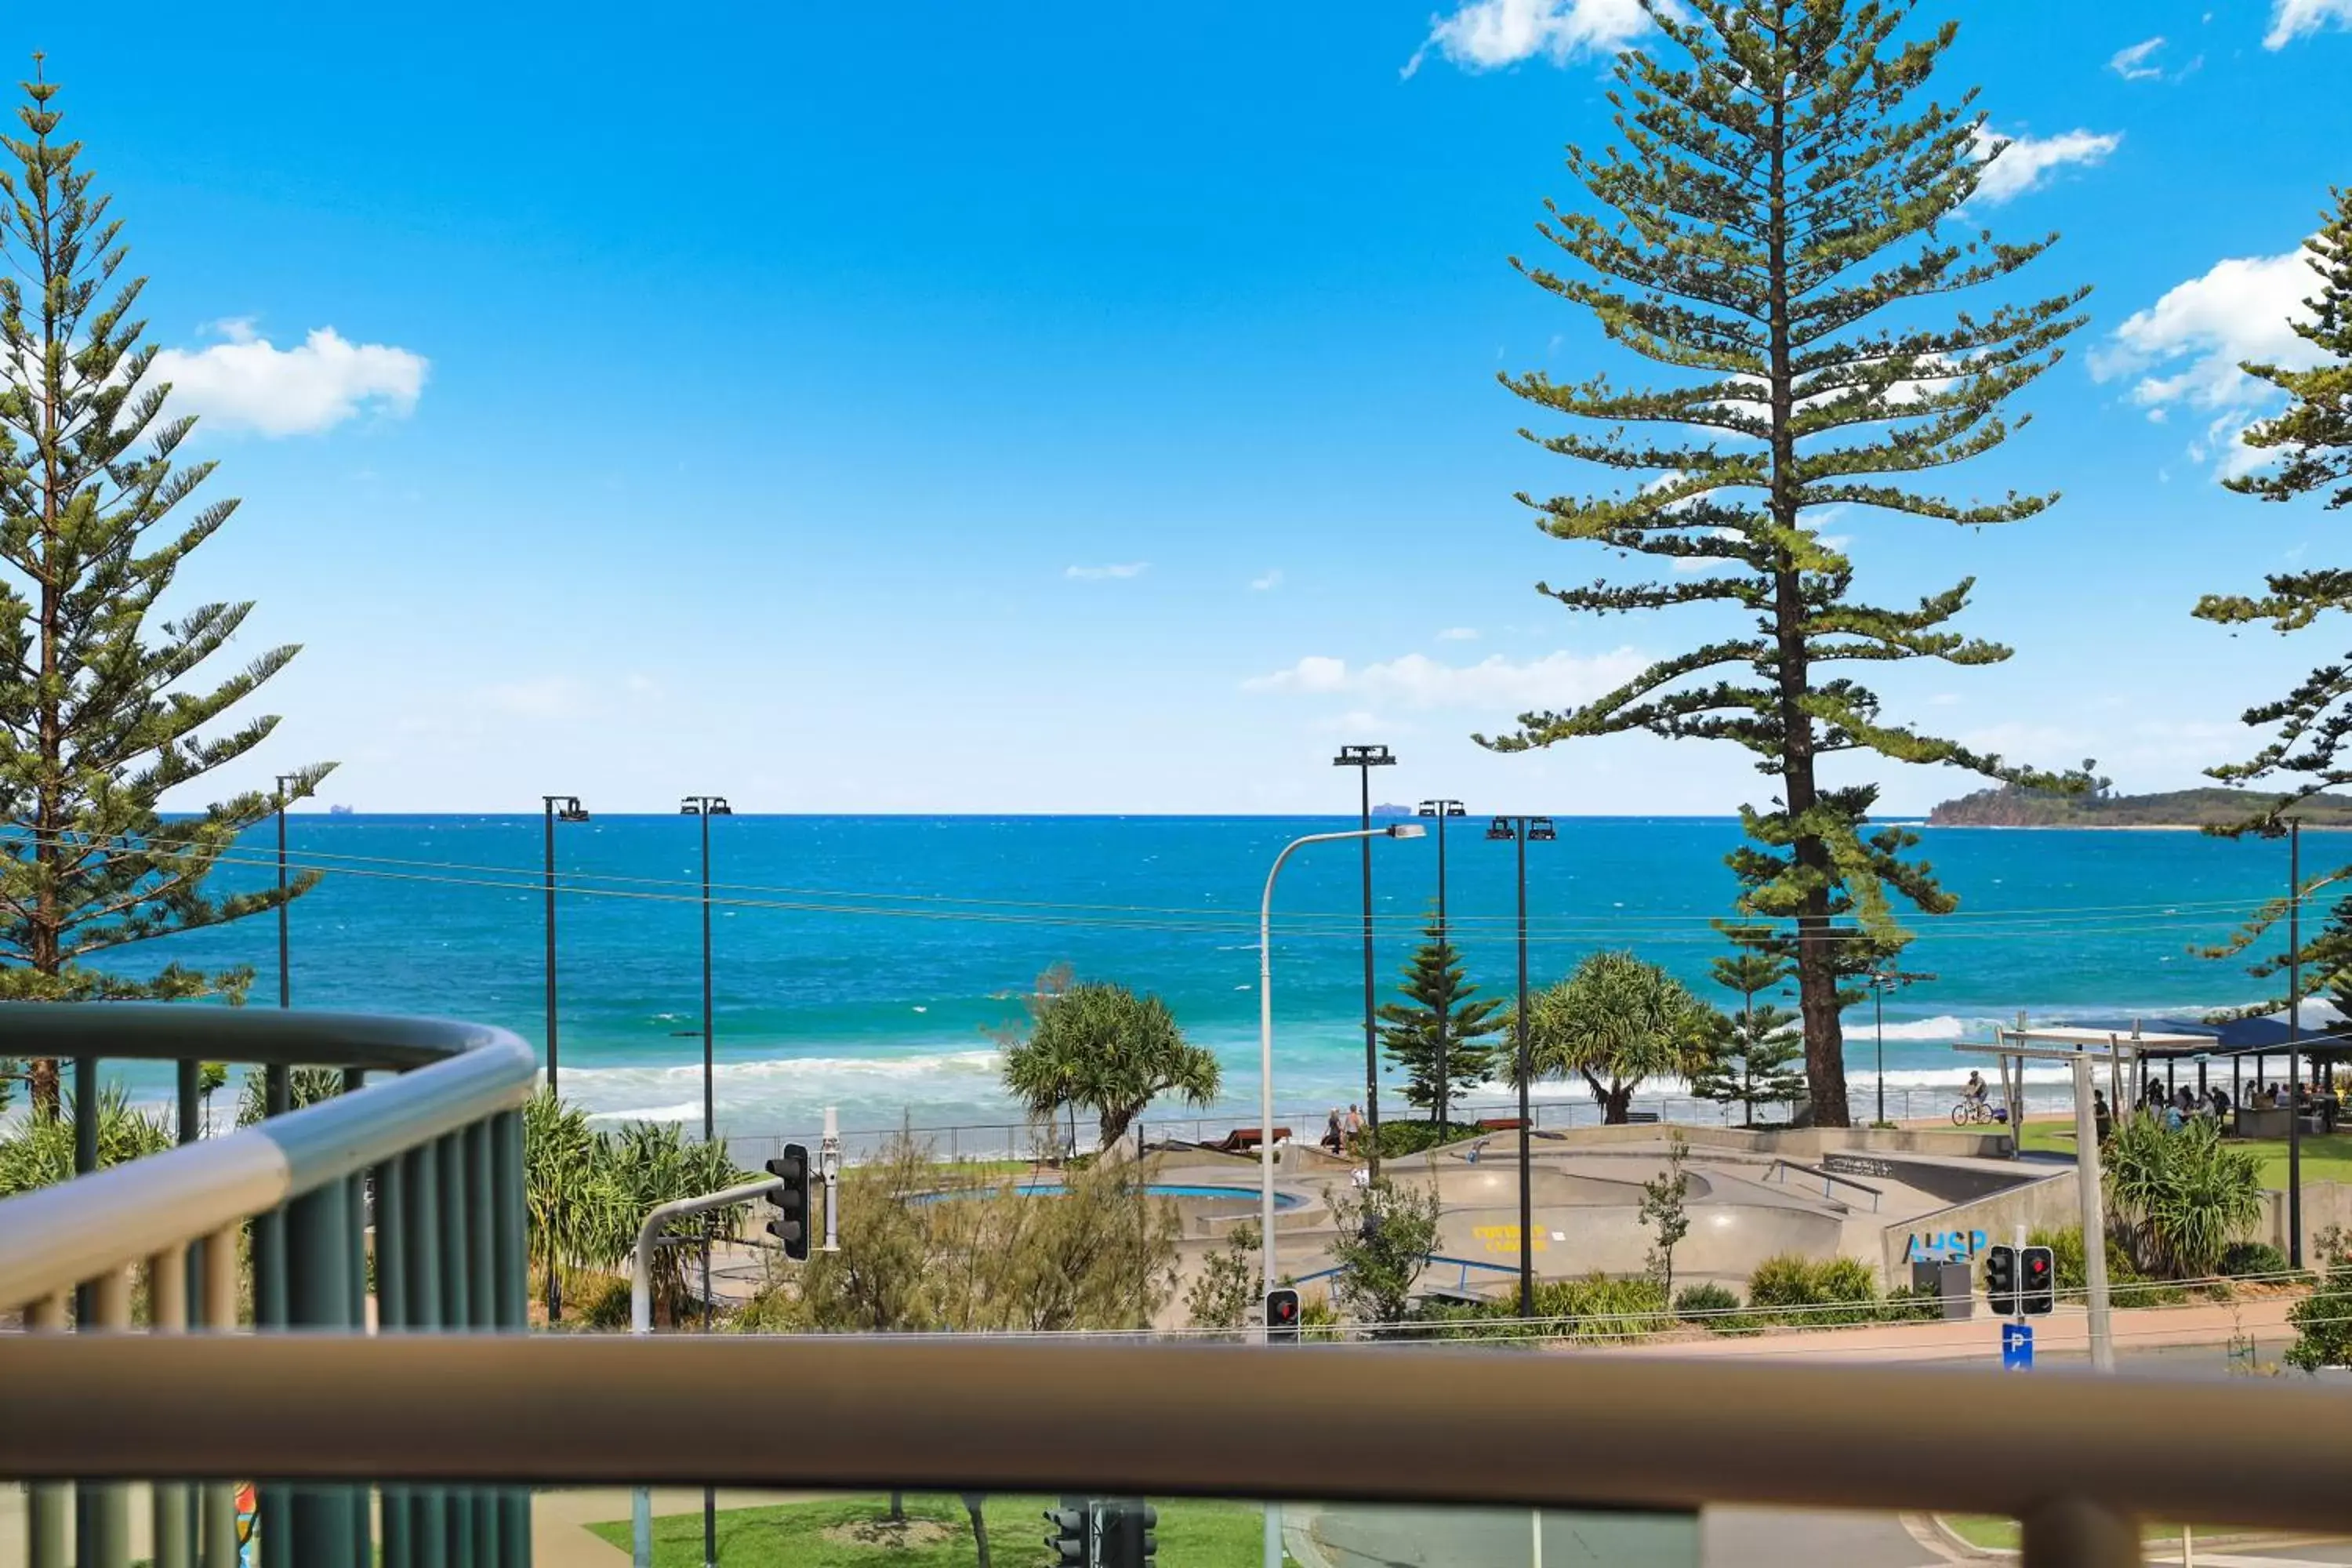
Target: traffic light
(2000, 1279)
(2041, 1288)
(1128, 1537)
(1281, 1316)
(790, 1225)
(1069, 1543)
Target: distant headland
(2009, 806)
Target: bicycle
(1971, 1113)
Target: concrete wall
(1806, 1144)
(2056, 1202)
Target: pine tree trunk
(47, 1096)
(1816, 958)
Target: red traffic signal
(790, 1225)
(1281, 1316)
(2038, 1289)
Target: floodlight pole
(2094, 1220)
(1521, 829)
(1364, 759)
(1440, 810)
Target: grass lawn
(795, 1535)
(2003, 1534)
(2327, 1157)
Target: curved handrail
(270, 1037)
(1448, 1426)
(59, 1236)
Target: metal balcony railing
(405, 1195)
(2079, 1457)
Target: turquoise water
(860, 961)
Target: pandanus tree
(1779, 230)
(1100, 1045)
(1617, 1021)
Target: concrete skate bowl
(1587, 1223)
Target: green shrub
(2253, 1258)
(2181, 1197)
(1399, 1139)
(1809, 1292)
(41, 1153)
(2126, 1285)
(1593, 1307)
(2323, 1320)
(1705, 1300)
(1904, 1305)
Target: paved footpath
(2066, 1334)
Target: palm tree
(1101, 1046)
(1615, 1022)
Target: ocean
(861, 963)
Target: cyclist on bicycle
(1974, 1092)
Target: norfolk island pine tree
(98, 718)
(1773, 160)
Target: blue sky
(944, 408)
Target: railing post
(103, 1508)
(428, 1507)
(216, 1522)
(44, 1522)
(511, 1232)
(457, 1316)
(391, 1316)
(167, 1301)
(482, 1283)
(319, 1296)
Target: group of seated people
(2185, 1103)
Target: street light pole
(1273, 1558)
(706, 807)
(557, 808)
(1440, 810)
(1878, 984)
(1364, 759)
(1522, 830)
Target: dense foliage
(38, 1152)
(2180, 1197)
(1780, 218)
(927, 1246)
(1755, 1056)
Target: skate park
(1750, 1195)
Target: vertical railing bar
(482, 1277)
(355, 1303)
(167, 1303)
(103, 1508)
(48, 1503)
(318, 1296)
(511, 1231)
(392, 1239)
(457, 1315)
(217, 1511)
(428, 1506)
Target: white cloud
(1266, 583)
(1099, 574)
(249, 384)
(2185, 349)
(2132, 64)
(1556, 681)
(2289, 19)
(547, 697)
(1458, 634)
(1484, 35)
(2026, 162)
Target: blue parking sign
(2017, 1347)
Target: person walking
(1332, 1140)
(2102, 1118)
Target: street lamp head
(1442, 808)
(1407, 830)
(691, 806)
(719, 807)
(1363, 757)
(1502, 827)
(1540, 831)
(569, 809)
